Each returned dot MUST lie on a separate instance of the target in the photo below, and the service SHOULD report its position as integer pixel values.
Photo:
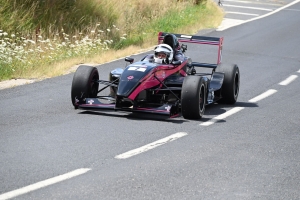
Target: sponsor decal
(140, 68)
(168, 108)
(130, 77)
(91, 101)
(160, 74)
(186, 36)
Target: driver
(163, 53)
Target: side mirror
(178, 62)
(128, 59)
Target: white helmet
(166, 49)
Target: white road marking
(259, 17)
(252, 2)
(42, 184)
(273, 12)
(263, 95)
(152, 145)
(298, 71)
(288, 80)
(237, 109)
(240, 13)
(222, 116)
(247, 7)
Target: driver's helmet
(163, 53)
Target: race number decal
(138, 68)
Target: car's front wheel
(85, 84)
(193, 97)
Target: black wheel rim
(202, 98)
(236, 85)
(94, 86)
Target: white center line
(152, 145)
(42, 184)
(222, 116)
(288, 80)
(263, 95)
(240, 13)
(247, 7)
(237, 109)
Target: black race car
(162, 88)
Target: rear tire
(84, 84)
(193, 97)
(231, 84)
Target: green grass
(174, 20)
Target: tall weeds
(37, 33)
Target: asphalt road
(249, 150)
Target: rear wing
(198, 40)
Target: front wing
(95, 104)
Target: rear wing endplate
(217, 41)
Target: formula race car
(162, 86)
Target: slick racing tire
(230, 89)
(193, 97)
(84, 84)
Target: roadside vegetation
(45, 38)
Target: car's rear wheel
(231, 84)
(85, 84)
(193, 97)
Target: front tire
(193, 97)
(85, 84)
